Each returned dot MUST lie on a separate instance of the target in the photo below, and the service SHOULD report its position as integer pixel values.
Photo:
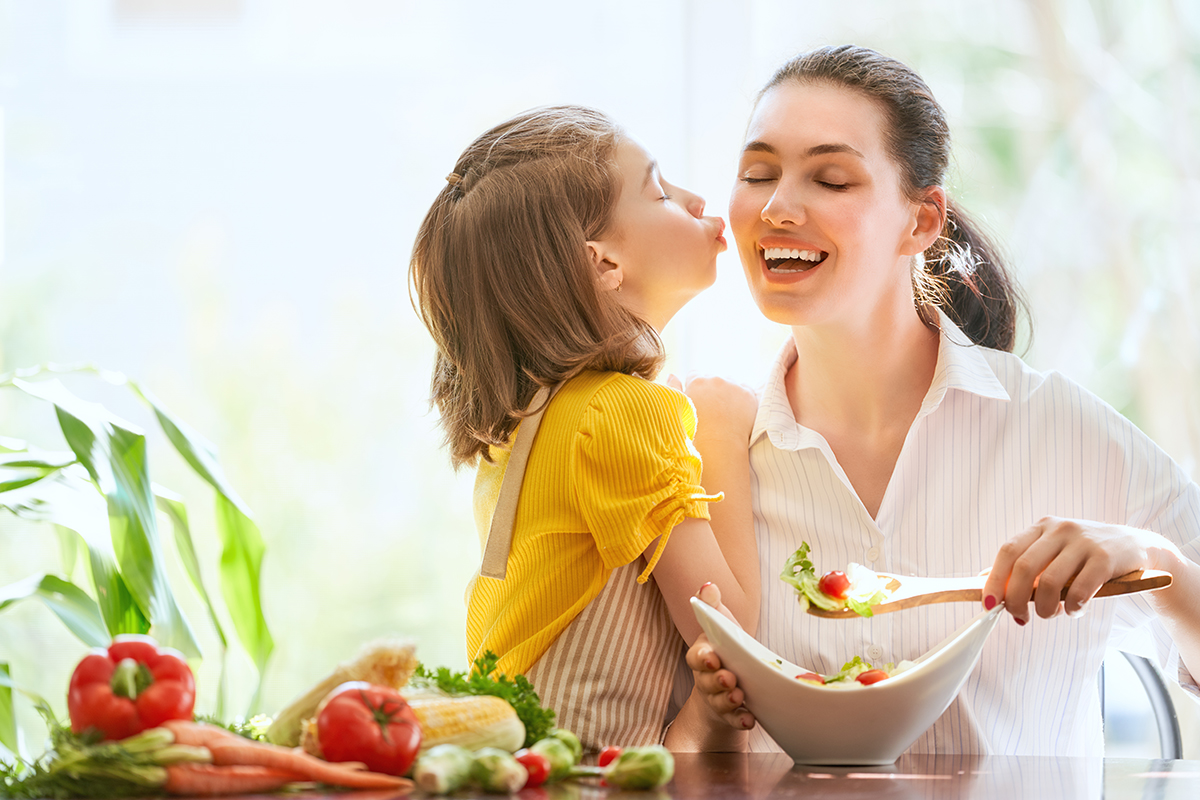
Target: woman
(897, 430)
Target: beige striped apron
(608, 676)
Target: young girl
(545, 270)
(898, 430)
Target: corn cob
(384, 662)
(471, 722)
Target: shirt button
(875, 654)
(873, 554)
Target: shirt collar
(960, 365)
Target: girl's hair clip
(453, 178)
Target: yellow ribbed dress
(612, 469)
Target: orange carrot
(199, 734)
(208, 779)
(229, 749)
(300, 763)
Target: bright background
(219, 197)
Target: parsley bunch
(517, 692)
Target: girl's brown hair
(963, 271)
(503, 279)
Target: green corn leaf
(172, 505)
(77, 610)
(241, 568)
(114, 454)
(242, 544)
(8, 714)
(70, 500)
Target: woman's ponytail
(963, 273)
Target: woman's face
(822, 226)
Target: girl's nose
(695, 205)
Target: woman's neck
(866, 377)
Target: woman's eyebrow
(653, 165)
(758, 146)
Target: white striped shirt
(995, 447)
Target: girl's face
(823, 229)
(664, 249)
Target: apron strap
(499, 541)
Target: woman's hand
(1039, 562)
(717, 687)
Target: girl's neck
(864, 377)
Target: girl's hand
(1039, 562)
(717, 686)
(725, 410)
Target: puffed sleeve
(634, 468)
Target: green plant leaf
(114, 454)
(172, 505)
(77, 610)
(242, 544)
(241, 569)
(8, 714)
(70, 500)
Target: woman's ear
(928, 220)
(608, 272)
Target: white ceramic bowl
(878, 722)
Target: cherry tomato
(834, 583)
(359, 721)
(872, 676)
(609, 755)
(536, 764)
(811, 676)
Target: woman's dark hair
(963, 272)
(502, 278)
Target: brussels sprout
(496, 771)
(442, 769)
(641, 768)
(558, 754)
(570, 740)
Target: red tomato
(609, 755)
(834, 583)
(810, 676)
(872, 676)
(536, 764)
(359, 721)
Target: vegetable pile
(132, 732)
(858, 588)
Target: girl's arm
(724, 552)
(712, 719)
(1056, 550)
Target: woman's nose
(782, 209)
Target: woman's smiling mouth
(788, 260)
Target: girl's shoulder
(616, 399)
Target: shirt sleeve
(1158, 496)
(635, 471)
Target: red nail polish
(989, 602)
(1020, 621)
(705, 586)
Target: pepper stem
(130, 678)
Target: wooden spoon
(912, 591)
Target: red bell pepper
(130, 687)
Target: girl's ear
(927, 223)
(608, 272)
